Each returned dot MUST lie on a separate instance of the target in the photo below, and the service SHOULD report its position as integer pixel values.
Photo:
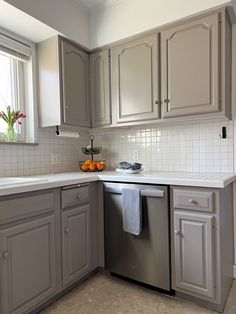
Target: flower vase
(10, 135)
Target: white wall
(124, 18)
(65, 16)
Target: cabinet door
(28, 267)
(100, 88)
(75, 85)
(194, 253)
(135, 80)
(190, 74)
(75, 243)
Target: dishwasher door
(145, 258)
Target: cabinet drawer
(194, 200)
(26, 206)
(74, 196)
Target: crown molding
(103, 5)
(96, 7)
(80, 5)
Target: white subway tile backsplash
(19, 160)
(193, 148)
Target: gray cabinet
(202, 244)
(100, 88)
(191, 67)
(28, 264)
(48, 240)
(75, 85)
(63, 77)
(135, 80)
(194, 242)
(76, 243)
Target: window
(12, 74)
(16, 83)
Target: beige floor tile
(176, 306)
(232, 296)
(126, 306)
(108, 295)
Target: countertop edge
(57, 181)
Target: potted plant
(11, 117)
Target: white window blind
(14, 47)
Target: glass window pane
(9, 86)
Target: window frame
(26, 51)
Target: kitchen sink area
(8, 181)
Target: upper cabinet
(135, 80)
(193, 67)
(100, 88)
(177, 73)
(64, 92)
(75, 85)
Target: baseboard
(234, 271)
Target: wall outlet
(56, 159)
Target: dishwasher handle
(145, 192)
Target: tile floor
(108, 295)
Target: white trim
(106, 3)
(234, 271)
(15, 45)
(98, 6)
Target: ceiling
(18, 22)
(91, 3)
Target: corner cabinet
(135, 80)
(75, 85)
(100, 88)
(194, 57)
(63, 76)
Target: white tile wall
(193, 148)
(18, 160)
(196, 147)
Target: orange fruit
(101, 165)
(84, 166)
(92, 166)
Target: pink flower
(19, 122)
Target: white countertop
(210, 180)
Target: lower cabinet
(193, 242)
(28, 267)
(202, 249)
(48, 241)
(76, 245)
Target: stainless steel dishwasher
(144, 258)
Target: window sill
(18, 143)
